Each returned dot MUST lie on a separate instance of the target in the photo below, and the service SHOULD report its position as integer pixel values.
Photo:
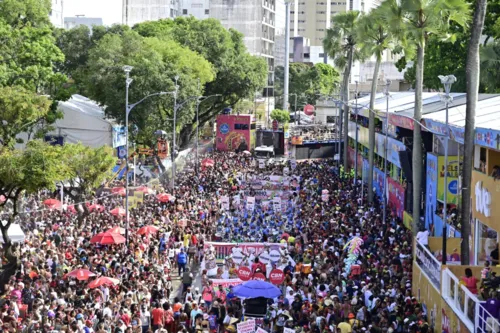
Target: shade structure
(52, 203)
(103, 281)
(80, 274)
(207, 162)
(255, 288)
(118, 211)
(117, 230)
(119, 191)
(107, 238)
(165, 197)
(96, 207)
(145, 190)
(146, 230)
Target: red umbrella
(103, 281)
(149, 229)
(71, 209)
(117, 230)
(52, 203)
(145, 190)
(118, 211)
(106, 238)
(164, 197)
(96, 207)
(80, 274)
(207, 162)
(119, 191)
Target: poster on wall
(378, 181)
(431, 191)
(452, 185)
(396, 197)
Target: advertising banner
(233, 132)
(428, 264)
(224, 249)
(246, 326)
(396, 197)
(393, 148)
(401, 121)
(366, 169)
(488, 138)
(250, 203)
(430, 189)
(378, 181)
(226, 283)
(119, 137)
(452, 185)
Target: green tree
(88, 168)
(307, 82)
(238, 74)
(156, 63)
(341, 44)
(282, 116)
(377, 38)
(417, 20)
(25, 172)
(19, 110)
(244, 106)
(490, 67)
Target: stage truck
(235, 133)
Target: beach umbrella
(71, 209)
(145, 190)
(118, 211)
(96, 207)
(107, 238)
(149, 229)
(117, 230)
(52, 203)
(207, 162)
(165, 197)
(119, 191)
(103, 281)
(256, 288)
(80, 274)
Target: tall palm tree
(376, 38)
(341, 44)
(472, 71)
(417, 20)
(490, 66)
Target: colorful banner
(363, 133)
(297, 140)
(452, 185)
(246, 326)
(226, 283)
(119, 136)
(366, 169)
(488, 138)
(378, 181)
(396, 197)
(401, 121)
(224, 249)
(431, 189)
(162, 148)
(407, 220)
(233, 132)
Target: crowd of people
(157, 282)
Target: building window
(322, 55)
(320, 29)
(207, 11)
(184, 12)
(320, 12)
(292, 12)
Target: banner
(378, 181)
(428, 264)
(119, 136)
(131, 202)
(251, 203)
(297, 140)
(452, 185)
(430, 189)
(222, 250)
(293, 164)
(226, 283)
(277, 204)
(396, 197)
(236, 201)
(246, 326)
(224, 201)
(262, 164)
(162, 148)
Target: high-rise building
(56, 13)
(71, 22)
(197, 8)
(137, 11)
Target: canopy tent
(15, 233)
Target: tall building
(256, 20)
(71, 22)
(137, 11)
(197, 8)
(56, 13)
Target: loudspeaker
(405, 159)
(256, 307)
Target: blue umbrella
(256, 288)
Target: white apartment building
(197, 8)
(71, 22)
(56, 13)
(137, 11)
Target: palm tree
(417, 20)
(376, 38)
(490, 66)
(341, 44)
(472, 71)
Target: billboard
(235, 132)
(378, 181)
(430, 190)
(452, 185)
(396, 197)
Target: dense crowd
(158, 287)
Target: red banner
(396, 197)
(401, 121)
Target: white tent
(15, 233)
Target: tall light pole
(384, 194)
(173, 150)
(287, 55)
(198, 102)
(356, 141)
(128, 107)
(447, 82)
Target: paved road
(177, 282)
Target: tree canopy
(282, 116)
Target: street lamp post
(447, 82)
(386, 140)
(287, 55)
(198, 102)
(128, 108)
(356, 142)
(173, 150)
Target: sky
(109, 10)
